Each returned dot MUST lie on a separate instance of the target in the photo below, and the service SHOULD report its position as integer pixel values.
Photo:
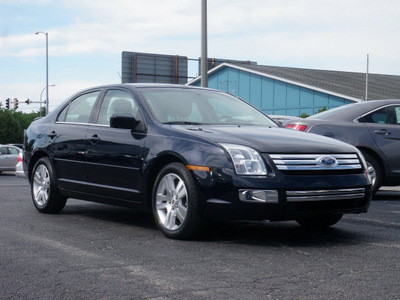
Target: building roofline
(275, 78)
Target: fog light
(266, 196)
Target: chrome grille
(321, 195)
(312, 162)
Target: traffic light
(27, 101)
(15, 103)
(8, 103)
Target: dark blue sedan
(190, 155)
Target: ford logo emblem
(327, 161)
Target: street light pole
(40, 102)
(47, 70)
(366, 79)
(204, 59)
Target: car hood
(270, 140)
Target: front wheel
(319, 221)
(374, 171)
(176, 203)
(45, 194)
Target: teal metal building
(294, 91)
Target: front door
(115, 156)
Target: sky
(86, 38)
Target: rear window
(330, 112)
(80, 109)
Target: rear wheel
(374, 171)
(176, 203)
(319, 221)
(45, 194)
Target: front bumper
(228, 196)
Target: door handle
(329, 134)
(52, 134)
(94, 139)
(382, 132)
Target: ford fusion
(190, 155)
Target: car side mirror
(124, 121)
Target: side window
(379, 116)
(79, 110)
(61, 116)
(117, 102)
(3, 150)
(394, 114)
(13, 150)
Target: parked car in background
(19, 168)
(372, 126)
(281, 119)
(189, 155)
(20, 146)
(8, 157)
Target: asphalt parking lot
(94, 251)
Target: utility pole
(47, 69)
(204, 63)
(366, 79)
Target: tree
(12, 125)
(10, 128)
(322, 109)
(304, 115)
(25, 119)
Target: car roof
(352, 111)
(11, 146)
(144, 85)
(135, 86)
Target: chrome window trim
(86, 124)
(372, 111)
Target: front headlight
(246, 160)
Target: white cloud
(309, 33)
(329, 28)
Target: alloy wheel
(372, 173)
(171, 201)
(41, 185)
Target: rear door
(68, 134)
(12, 156)
(384, 127)
(8, 158)
(115, 156)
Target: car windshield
(190, 106)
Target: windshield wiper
(183, 123)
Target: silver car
(19, 168)
(8, 157)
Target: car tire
(322, 221)
(176, 203)
(375, 172)
(45, 194)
